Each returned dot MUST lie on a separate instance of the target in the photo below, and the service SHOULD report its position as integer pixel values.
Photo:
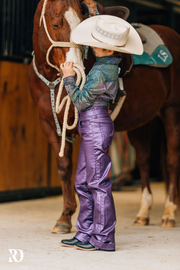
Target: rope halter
(54, 43)
(81, 77)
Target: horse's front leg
(139, 138)
(64, 165)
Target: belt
(97, 112)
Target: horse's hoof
(167, 223)
(141, 221)
(61, 228)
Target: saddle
(155, 54)
(91, 8)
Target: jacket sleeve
(93, 88)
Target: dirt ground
(27, 225)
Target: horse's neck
(42, 66)
(40, 57)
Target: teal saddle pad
(155, 53)
(161, 57)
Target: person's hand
(67, 69)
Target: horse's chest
(44, 105)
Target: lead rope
(81, 77)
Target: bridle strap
(52, 86)
(92, 7)
(57, 44)
(66, 44)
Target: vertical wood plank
(23, 146)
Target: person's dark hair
(116, 54)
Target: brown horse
(150, 91)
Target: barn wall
(26, 161)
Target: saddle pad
(155, 53)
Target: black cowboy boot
(89, 247)
(70, 242)
(85, 246)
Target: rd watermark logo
(16, 255)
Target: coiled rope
(81, 78)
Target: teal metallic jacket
(101, 85)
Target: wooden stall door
(23, 147)
(26, 159)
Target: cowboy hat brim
(82, 35)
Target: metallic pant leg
(97, 219)
(85, 219)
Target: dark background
(16, 22)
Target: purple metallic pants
(97, 219)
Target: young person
(97, 219)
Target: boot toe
(70, 242)
(85, 246)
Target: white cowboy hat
(108, 32)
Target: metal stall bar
(175, 5)
(16, 27)
(3, 30)
(148, 4)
